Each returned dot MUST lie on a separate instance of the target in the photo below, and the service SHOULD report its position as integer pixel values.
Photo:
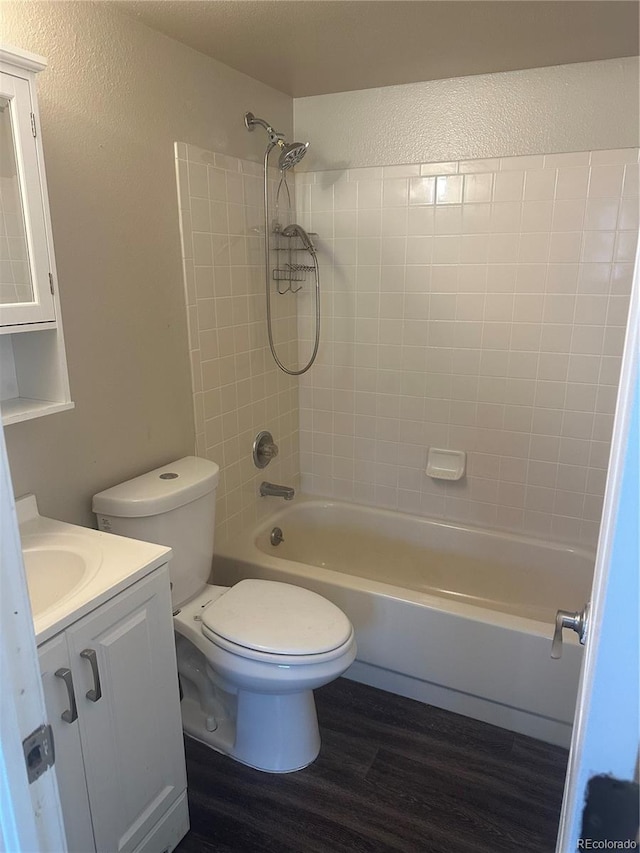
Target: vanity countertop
(71, 570)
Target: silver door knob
(578, 622)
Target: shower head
(290, 152)
(295, 230)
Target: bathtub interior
(499, 572)
(473, 638)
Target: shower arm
(250, 122)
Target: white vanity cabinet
(33, 369)
(119, 754)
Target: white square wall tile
(422, 190)
(449, 189)
(568, 214)
(572, 183)
(395, 192)
(503, 248)
(420, 221)
(606, 181)
(528, 308)
(478, 188)
(598, 246)
(345, 196)
(601, 214)
(565, 247)
(369, 195)
(534, 248)
(625, 247)
(509, 186)
(584, 368)
(540, 185)
(590, 309)
(587, 340)
(629, 215)
(536, 215)
(505, 217)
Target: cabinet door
(25, 288)
(59, 699)
(130, 724)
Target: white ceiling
(310, 47)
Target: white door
(606, 725)
(30, 815)
(128, 710)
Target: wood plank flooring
(392, 775)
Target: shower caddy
(288, 269)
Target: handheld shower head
(295, 230)
(290, 152)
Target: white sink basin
(71, 570)
(57, 566)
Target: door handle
(96, 693)
(578, 622)
(71, 713)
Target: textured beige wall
(585, 106)
(113, 100)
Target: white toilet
(250, 655)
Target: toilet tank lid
(160, 490)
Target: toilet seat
(267, 620)
(279, 659)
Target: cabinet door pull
(90, 655)
(72, 713)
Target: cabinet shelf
(23, 409)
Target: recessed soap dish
(446, 464)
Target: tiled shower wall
(237, 389)
(480, 306)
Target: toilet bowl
(264, 712)
(249, 656)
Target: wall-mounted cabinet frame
(33, 369)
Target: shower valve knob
(264, 449)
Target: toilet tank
(174, 506)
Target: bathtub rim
(486, 532)
(243, 548)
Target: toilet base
(272, 733)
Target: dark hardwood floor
(392, 775)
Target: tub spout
(277, 491)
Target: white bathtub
(457, 617)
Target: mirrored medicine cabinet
(33, 369)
